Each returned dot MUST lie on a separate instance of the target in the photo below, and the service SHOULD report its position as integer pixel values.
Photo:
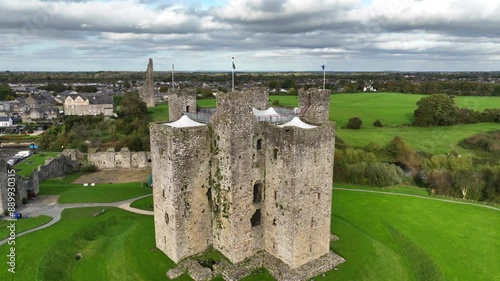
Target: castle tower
(233, 125)
(298, 192)
(181, 101)
(243, 185)
(147, 91)
(314, 105)
(180, 154)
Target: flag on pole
(323, 67)
(234, 66)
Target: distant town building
(6, 121)
(78, 105)
(34, 101)
(44, 113)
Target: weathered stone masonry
(244, 186)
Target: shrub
(404, 153)
(276, 102)
(88, 168)
(354, 123)
(383, 174)
(373, 146)
(6, 212)
(378, 124)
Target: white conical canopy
(184, 122)
(269, 111)
(297, 123)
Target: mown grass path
(55, 209)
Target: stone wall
(21, 186)
(315, 106)
(123, 159)
(59, 166)
(180, 101)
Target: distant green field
(432, 140)
(390, 108)
(101, 193)
(393, 110)
(158, 113)
(26, 166)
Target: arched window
(259, 144)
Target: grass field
(23, 225)
(143, 204)
(394, 110)
(158, 113)
(101, 193)
(382, 236)
(26, 166)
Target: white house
(5, 121)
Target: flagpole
(232, 70)
(173, 84)
(324, 76)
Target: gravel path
(47, 205)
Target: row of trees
(449, 175)
(59, 88)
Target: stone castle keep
(244, 186)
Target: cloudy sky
(262, 35)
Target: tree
(6, 93)
(131, 106)
(354, 123)
(292, 92)
(436, 110)
(288, 83)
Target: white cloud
(295, 31)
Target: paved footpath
(47, 205)
(418, 196)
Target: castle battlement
(244, 186)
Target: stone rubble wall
(179, 101)
(57, 166)
(315, 106)
(123, 159)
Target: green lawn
(23, 225)
(26, 166)
(413, 238)
(382, 237)
(117, 245)
(158, 113)
(143, 204)
(101, 193)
